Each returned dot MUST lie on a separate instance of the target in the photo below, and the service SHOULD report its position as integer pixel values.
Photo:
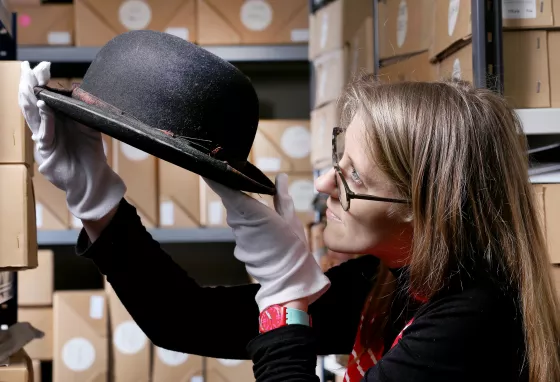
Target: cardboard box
(452, 26)
(212, 210)
(252, 22)
(554, 62)
(131, 349)
(20, 369)
(282, 146)
(405, 27)
(412, 68)
(556, 278)
(458, 65)
(169, 365)
(42, 319)
(228, 370)
(36, 286)
(98, 21)
(16, 147)
(138, 170)
(178, 196)
(80, 336)
(548, 199)
(50, 204)
(18, 232)
(361, 51)
(323, 120)
(530, 13)
(333, 26)
(48, 24)
(330, 74)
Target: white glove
(272, 245)
(70, 155)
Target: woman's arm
(178, 314)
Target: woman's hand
(70, 155)
(273, 247)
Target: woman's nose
(326, 183)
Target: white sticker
(268, 164)
(135, 14)
(167, 213)
(39, 214)
(256, 15)
(215, 213)
(133, 153)
(402, 23)
(452, 16)
(179, 32)
(78, 354)
(230, 362)
(302, 192)
(171, 358)
(96, 307)
(76, 223)
(296, 142)
(300, 35)
(519, 9)
(197, 378)
(456, 69)
(324, 30)
(59, 38)
(129, 338)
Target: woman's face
(368, 227)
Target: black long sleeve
(178, 314)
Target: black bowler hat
(174, 100)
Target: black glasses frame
(349, 193)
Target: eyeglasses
(344, 192)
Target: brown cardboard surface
(331, 71)
(212, 210)
(323, 120)
(225, 370)
(36, 286)
(412, 68)
(139, 172)
(554, 62)
(405, 27)
(178, 196)
(556, 278)
(47, 24)
(42, 319)
(20, 369)
(361, 50)
(552, 220)
(252, 22)
(50, 204)
(18, 232)
(333, 26)
(80, 336)
(98, 21)
(452, 26)
(177, 367)
(16, 146)
(282, 146)
(457, 65)
(530, 14)
(131, 349)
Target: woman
(431, 178)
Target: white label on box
(402, 23)
(296, 142)
(39, 215)
(129, 338)
(452, 15)
(519, 9)
(133, 153)
(76, 223)
(167, 213)
(78, 354)
(456, 69)
(230, 362)
(256, 15)
(300, 35)
(171, 358)
(59, 38)
(135, 14)
(215, 213)
(96, 307)
(179, 32)
(302, 192)
(268, 164)
(197, 378)
(324, 30)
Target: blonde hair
(459, 154)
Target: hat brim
(155, 142)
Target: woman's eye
(355, 176)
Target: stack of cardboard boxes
(207, 22)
